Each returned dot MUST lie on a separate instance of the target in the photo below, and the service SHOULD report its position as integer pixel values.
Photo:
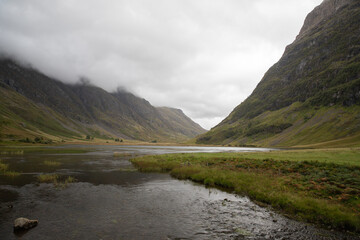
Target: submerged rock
(24, 224)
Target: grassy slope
(303, 126)
(21, 118)
(318, 186)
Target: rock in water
(24, 224)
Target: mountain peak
(322, 12)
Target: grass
(3, 166)
(47, 178)
(4, 170)
(11, 174)
(12, 152)
(64, 183)
(59, 182)
(345, 156)
(317, 186)
(311, 127)
(19, 110)
(52, 163)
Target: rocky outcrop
(321, 13)
(24, 224)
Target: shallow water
(111, 200)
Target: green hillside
(312, 94)
(33, 105)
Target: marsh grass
(52, 163)
(11, 174)
(64, 182)
(59, 182)
(70, 179)
(3, 166)
(322, 192)
(12, 152)
(4, 170)
(47, 178)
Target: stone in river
(24, 224)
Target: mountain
(180, 122)
(35, 105)
(311, 96)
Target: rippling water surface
(111, 200)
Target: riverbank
(317, 186)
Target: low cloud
(202, 56)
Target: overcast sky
(202, 56)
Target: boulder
(24, 224)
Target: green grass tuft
(3, 166)
(4, 170)
(59, 182)
(52, 163)
(12, 174)
(12, 152)
(47, 178)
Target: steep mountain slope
(33, 104)
(312, 94)
(179, 121)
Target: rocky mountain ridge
(63, 110)
(322, 12)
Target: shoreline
(322, 192)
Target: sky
(202, 56)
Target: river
(111, 200)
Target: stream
(112, 200)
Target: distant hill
(34, 105)
(311, 96)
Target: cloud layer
(203, 56)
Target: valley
(87, 163)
